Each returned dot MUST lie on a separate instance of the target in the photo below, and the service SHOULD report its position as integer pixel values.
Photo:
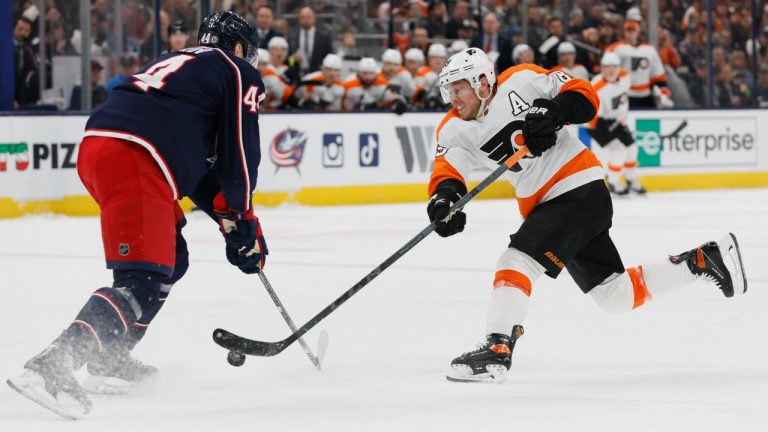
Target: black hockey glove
(447, 194)
(246, 247)
(399, 106)
(542, 122)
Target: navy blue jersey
(196, 111)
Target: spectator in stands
(435, 22)
(762, 87)
(698, 87)
(459, 19)
(536, 31)
(591, 37)
(739, 65)
(523, 54)
(348, 45)
(690, 48)
(148, 48)
(596, 16)
(322, 89)
(493, 43)
(566, 55)
(548, 48)
(719, 57)
(723, 96)
(27, 85)
(128, 67)
(399, 79)
(263, 23)
(667, 51)
(177, 35)
(420, 37)
(98, 92)
(575, 21)
(309, 45)
(741, 93)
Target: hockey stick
(240, 345)
(322, 343)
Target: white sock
(630, 163)
(663, 277)
(616, 155)
(508, 307)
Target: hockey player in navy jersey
(185, 125)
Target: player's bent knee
(141, 288)
(615, 294)
(517, 269)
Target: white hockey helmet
(264, 57)
(367, 64)
(458, 45)
(519, 48)
(277, 42)
(610, 59)
(415, 54)
(332, 61)
(470, 64)
(566, 48)
(437, 50)
(392, 56)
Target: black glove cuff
(450, 187)
(576, 107)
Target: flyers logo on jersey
(505, 143)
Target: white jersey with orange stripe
(463, 145)
(644, 66)
(278, 91)
(327, 96)
(359, 96)
(614, 99)
(577, 71)
(403, 81)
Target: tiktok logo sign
(369, 149)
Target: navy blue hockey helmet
(224, 30)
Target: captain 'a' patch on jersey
(464, 145)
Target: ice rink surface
(694, 361)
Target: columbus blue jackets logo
(287, 149)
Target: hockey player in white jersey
(277, 89)
(562, 197)
(423, 75)
(400, 80)
(369, 89)
(648, 81)
(609, 129)
(566, 57)
(322, 89)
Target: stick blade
(322, 347)
(243, 345)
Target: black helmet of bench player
(226, 29)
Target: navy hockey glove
(246, 247)
(447, 194)
(542, 122)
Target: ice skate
(116, 373)
(635, 187)
(718, 262)
(49, 381)
(489, 362)
(618, 189)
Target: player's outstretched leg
(489, 362)
(718, 262)
(630, 171)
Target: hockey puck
(235, 358)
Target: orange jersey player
(562, 197)
(608, 127)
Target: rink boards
(362, 158)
